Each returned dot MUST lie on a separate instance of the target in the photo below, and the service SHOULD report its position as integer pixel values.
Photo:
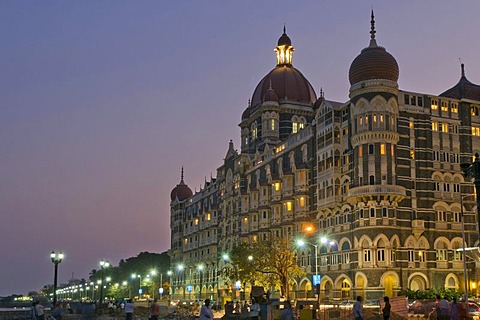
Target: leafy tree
(267, 263)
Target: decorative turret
(284, 49)
(181, 191)
(373, 62)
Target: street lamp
(57, 258)
(200, 275)
(134, 276)
(103, 265)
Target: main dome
(374, 62)
(287, 82)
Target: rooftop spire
(373, 42)
(463, 69)
(284, 29)
(181, 176)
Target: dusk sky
(102, 102)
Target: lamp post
(57, 258)
(134, 276)
(103, 265)
(200, 275)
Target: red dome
(373, 63)
(288, 83)
(181, 191)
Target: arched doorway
(389, 282)
(417, 282)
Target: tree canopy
(265, 263)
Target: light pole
(56, 258)
(200, 275)
(103, 265)
(134, 276)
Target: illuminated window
(475, 131)
(277, 186)
(435, 125)
(361, 121)
(412, 154)
(382, 149)
(392, 149)
(294, 127)
(208, 217)
(185, 241)
(444, 105)
(196, 221)
(454, 107)
(444, 127)
(375, 118)
(272, 123)
(254, 238)
(245, 220)
(411, 125)
(434, 105)
(254, 131)
(302, 202)
(301, 125)
(360, 151)
(289, 206)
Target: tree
(267, 263)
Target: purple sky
(102, 102)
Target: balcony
(366, 193)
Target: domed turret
(373, 62)
(284, 40)
(181, 191)
(270, 95)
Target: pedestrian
(245, 309)
(358, 309)
(57, 312)
(228, 307)
(287, 312)
(443, 309)
(255, 309)
(454, 310)
(237, 307)
(386, 309)
(40, 311)
(205, 312)
(69, 309)
(154, 310)
(129, 307)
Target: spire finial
(463, 69)
(321, 92)
(249, 102)
(270, 84)
(284, 28)
(181, 176)
(373, 42)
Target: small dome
(284, 40)
(181, 191)
(270, 95)
(246, 113)
(373, 62)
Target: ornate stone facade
(378, 175)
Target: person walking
(205, 312)
(129, 307)
(40, 311)
(358, 309)
(154, 310)
(255, 309)
(443, 310)
(287, 312)
(454, 310)
(387, 308)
